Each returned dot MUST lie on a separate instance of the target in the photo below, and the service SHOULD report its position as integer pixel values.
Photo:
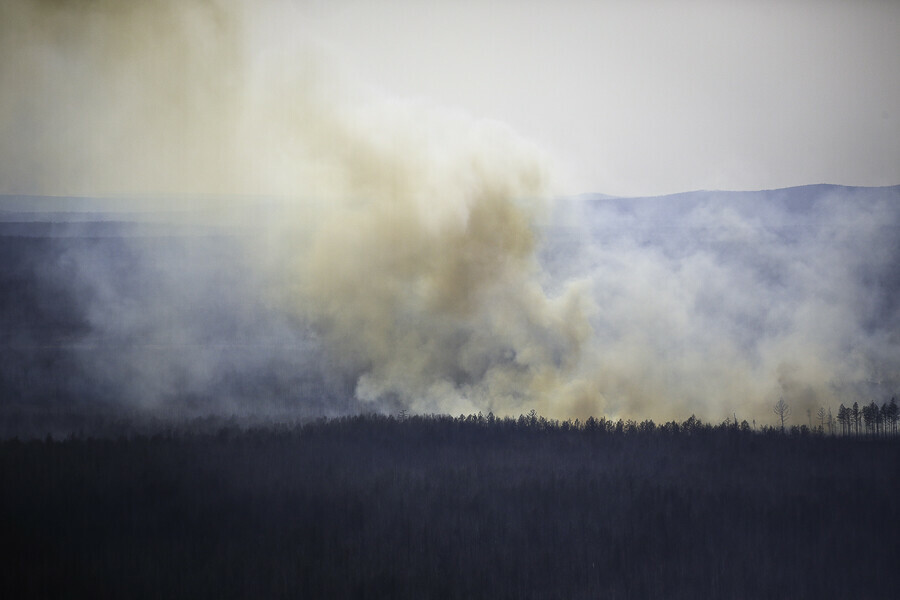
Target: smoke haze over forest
(201, 214)
(707, 303)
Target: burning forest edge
(870, 421)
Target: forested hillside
(441, 507)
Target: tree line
(870, 419)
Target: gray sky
(651, 97)
(631, 98)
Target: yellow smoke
(407, 240)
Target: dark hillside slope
(373, 507)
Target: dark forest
(443, 507)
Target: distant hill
(792, 292)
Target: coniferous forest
(442, 507)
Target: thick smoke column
(428, 283)
(404, 237)
(419, 272)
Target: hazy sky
(630, 98)
(651, 97)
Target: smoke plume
(721, 302)
(399, 238)
(209, 217)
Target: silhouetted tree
(692, 424)
(783, 410)
(891, 416)
(843, 418)
(868, 418)
(856, 416)
(872, 417)
(820, 414)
